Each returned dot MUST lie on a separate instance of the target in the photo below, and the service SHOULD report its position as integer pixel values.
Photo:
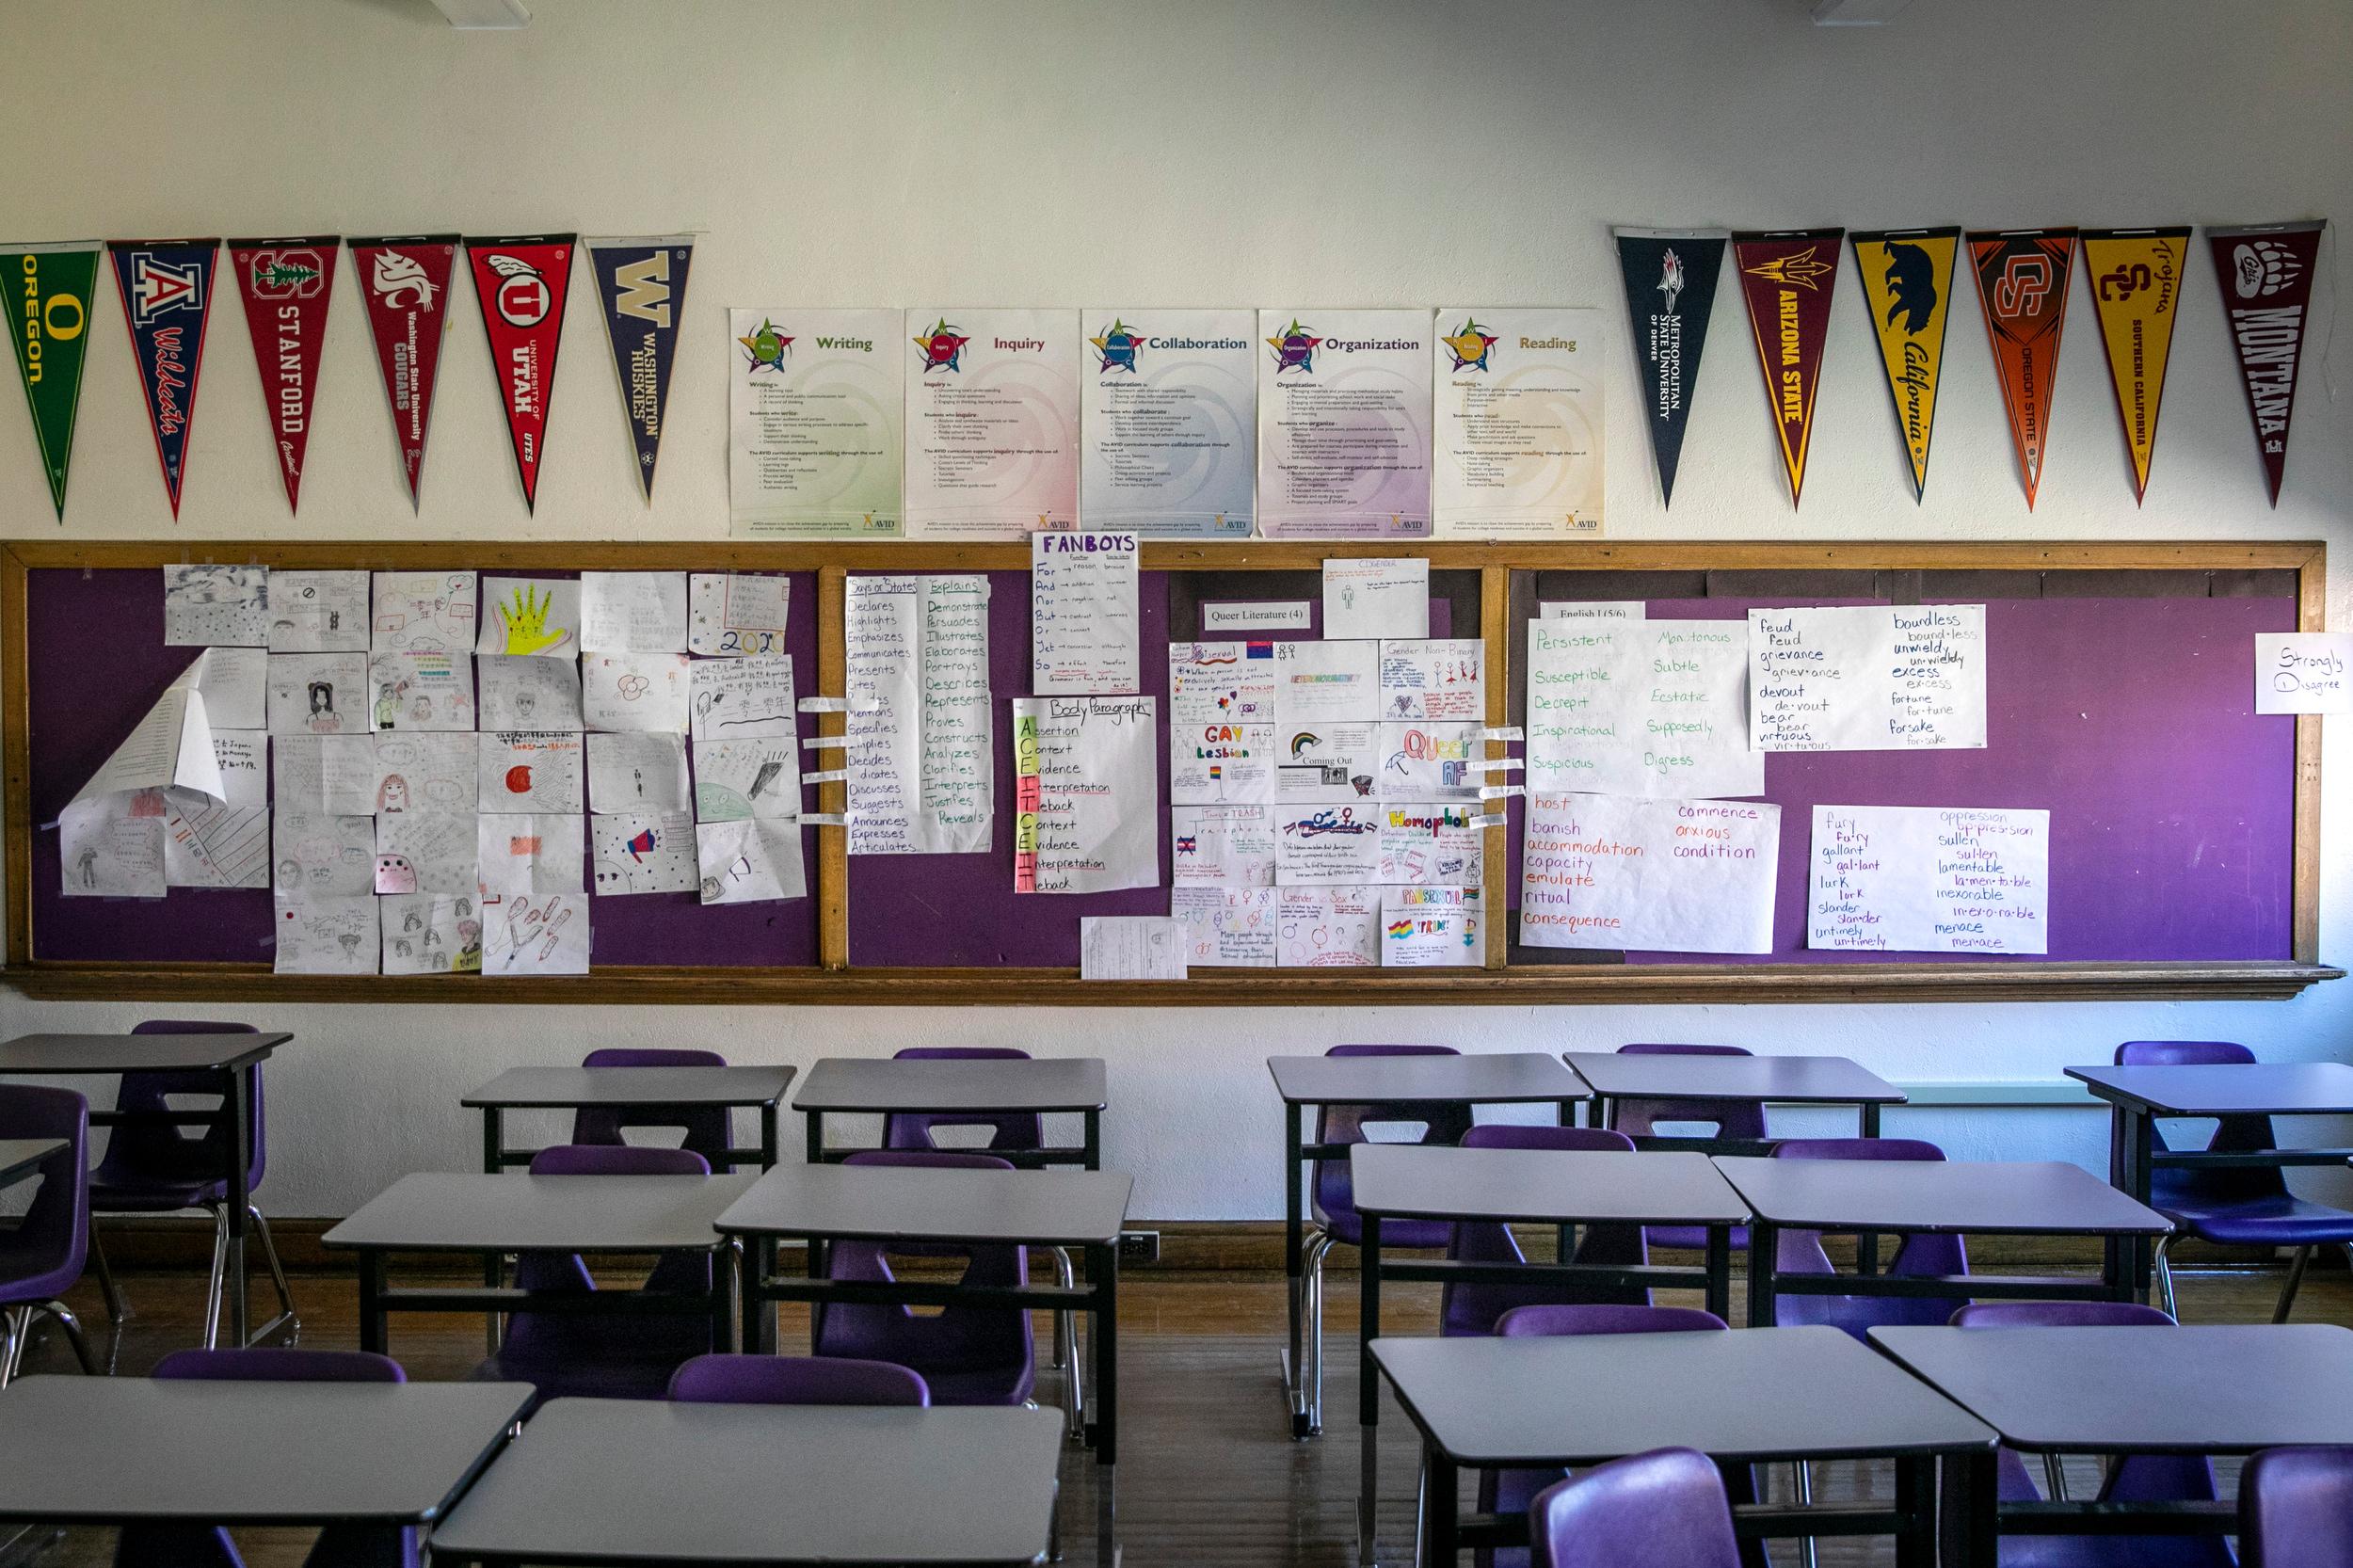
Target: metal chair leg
(214, 1291)
(117, 1308)
(2165, 1279)
(2055, 1476)
(1311, 1382)
(2296, 1283)
(1065, 1340)
(1806, 1552)
(73, 1329)
(13, 1324)
(286, 1314)
(1066, 1351)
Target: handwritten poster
(1930, 879)
(992, 422)
(1434, 844)
(1327, 762)
(1316, 683)
(1380, 595)
(642, 692)
(1082, 612)
(1326, 846)
(422, 772)
(528, 692)
(431, 934)
(335, 774)
(318, 694)
(319, 856)
(1221, 682)
(530, 770)
(742, 699)
(542, 934)
(736, 779)
(422, 612)
(1130, 947)
(1222, 846)
(327, 935)
(733, 614)
(1656, 708)
(1433, 678)
(633, 612)
(921, 779)
(418, 690)
(750, 860)
(1657, 875)
(641, 851)
(1215, 761)
(1170, 422)
(1327, 928)
(1431, 762)
(816, 418)
(1087, 810)
(318, 612)
(425, 852)
(210, 844)
(206, 606)
(1227, 928)
(1429, 928)
(112, 846)
(1344, 424)
(173, 745)
(528, 853)
(2304, 672)
(1874, 677)
(1517, 423)
(534, 618)
(637, 773)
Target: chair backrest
(1473, 1310)
(795, 1379)
(705, 1126)
(274, 1364)
(1442, 1123)
(1010, 1130)
(52, 1240)
(563, 1271)
(1730, 1118)
(2296, 1509)
(1547, 1322)
(1800, 1252)
(156, 1152)
(1666, 1509)
(2059, 1314)
(2180, 1185)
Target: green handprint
(526, 622)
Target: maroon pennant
(404, 281)
(286, 286)
(2266, 277)
(520, 283)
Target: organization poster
(816, 418)
(992, 422)
(1344, 403)
(1516, 423)
(1170, 422)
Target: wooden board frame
(835, 979)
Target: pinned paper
(1376, 596)
(732, 615)
(530, 770)
(173, 745)
(1929, 879)
(318, 612)
(750, 860)
(2304, 672)
(1082, 612)
(112, 846)
(546, 934)
(637, 773)
(431, 934)
(1657, 875)
(643, 852)
(742, 699)
(1131, 947)
(1327, 928)
(1425, 928)
(207, 606)
(633, 612)
(327, 935)
(828, 819)
(1225, 928)
(1872, 678)
(1087, 816)
(1655, 707)
(735, 779)
(1230, 846)
(1441, 678)
(635, 692)
(530, 618)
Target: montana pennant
(2022, 282)
(642, 285)
(2136, 278)
(520, 283)
(1907, 278)
(285, 286)
(1670, 293)
(167, 302)
(2267, 279)
(50, 288)
(1786, 279)
(404, 281)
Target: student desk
(1747, 1397)
(1998, 1198)
(77, 1450)
(44, 1055)
(593, 1215)
(635, 1089)
(856, 1085)
(2117, 1390)
(1764, 1080)
(20, 1156)
(1511, 1077)
(599, 1481)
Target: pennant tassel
(403, 283)
(1907, 279)
(54, 285)
(1670, 295)
(641, 286)
(1786, 279)
(2022, 282)
(2267, 276)
(166, 288)
(286, 287)
(2136, 278)
(520, 284)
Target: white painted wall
(1029, 151)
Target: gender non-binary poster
(1344, 405)
(642, 285)
(167, 302)
(1787, 278)
(403, 283)
(54, 284)
(2136, 278)
(1907, 278)
(520, 283)
(2022, 282)
(285, 286)
(1170, 422)
(1670, 293)
(2266, 277)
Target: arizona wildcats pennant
(403, 283)
(520, 283)
(2022, 282)
(2267, 279)
(1907, 278)
(1786, 279)
(1670, 293)
(167, 302)
(286, 286)
(642, 285)
(2136, 278)
(51, 287)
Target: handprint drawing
(525, 615)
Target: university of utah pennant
(1670, 293)
(50, 288)
(2022, 282)
(521, 282)
(2266, 277)
(286, 286)
(1787, 278)
(403, 283)
(642, 285)
(167, 302)
(2136, 278)
(1907, 278)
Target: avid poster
(1344, 405)
(2136, 278)
(403, 284)
(992, 431)
(1515, 424)
(1787, 278)
(641, 284)
(1907, 278)
(520, 283)
(1170, 422)
(2022, 282)
(167, 302)
(52, 284)
(2266, 277)
(286, 286)
(816, 425)
(1670, 295)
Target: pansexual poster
(1516, 437)
(992, 430)
(1344, 423)
(1170, 422)
(816, 423)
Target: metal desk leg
(1564, 1237)
(1092, 1153)
(1368, 1394)
(816, 1125)
(240, 1198)
(1103, 1284)
(1294, 1271)
(1438, 1509)
(1916, 1501)
(2139, 1131)
(1764, 1242)
(771, 1145)
(1971, 1530)
(1867, 1245)
(1720, 1270)
(493, 1270)
(760, 1313)
(372, 1315)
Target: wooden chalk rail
(835, 979)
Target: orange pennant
(2022, 282)
(2136, 278)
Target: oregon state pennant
(52, 286)
(642, 285)
(1670, 293)
(2266, 277)
(2136, 278)
(520, 283)
(167, 302)
(285, 286)
(1786, 279)
(2022, 282)
(1907, 278)
(403, 283)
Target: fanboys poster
(1670, 295)
(1907, 278)
(520, 283)
(1786, 279)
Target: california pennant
(52, 286)
(403, 283)
(520, 283)
(1787, 278)
(2022, 282)
(167, 302)
(642, 285)
(286, 286)
(1907, 278)
(1670, 293)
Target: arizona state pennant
(403, 283)
(2136, 278)
(167, 302)
(642, 285)
(286, 286)
(520, 283)
(1907, 278)
(2267, 276)
(1787, 278)
(2022, 282)
(53, 285)
(1670, 293)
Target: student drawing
(388, 697)
(394, 874)
(392, 797)
(85, 866)
(523, 618)
(324, 719)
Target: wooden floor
(1209, 1477)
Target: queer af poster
(1787, 280)
(641, 284)
(2022, 282)
(1670, 295)
(167, 302)
(2136, 278)
(1907, 278)
(53, 285)
(1170, 422)
(816, 413)
(403, 284)
(1344, 423)
(520, 283)
(992, 422)
(2267, 279)
(1515, 424)
(285, 286)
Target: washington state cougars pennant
(641, 286)
(2022, 282)
(2266, 277)
(286, 286)
(1670, 293)
(404, 281)
(1786, 279)
(1907, 278)
(520, 283)
(167, 302)
(50, 287)
(2136, 278)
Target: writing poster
(1431, 762)
(1087, 818)
(318, 612)
(1655, 707)
(2303, 672)
(1170, 422)
(1326, 762)
(1321, 681)
(736, 615)
(1930, 879)
(1326, 846)
(1083, 614)
(920, 780)
(1874, 677)
(1433, 678)
(816, 422)
(1130, 947)
(530, 618)
(1222, 846)
(1227, 928)
(1327, 928)
(1656, 875)
(1429, 928)
(643, 852)
(1516, 425)
(992, 422)
(1344, 423)
(1221, 682)
(533, 771)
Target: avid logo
(943, 348)
(1116, 349)
(1471, 344)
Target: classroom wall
(1036, 152)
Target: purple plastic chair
(965, 1354)
(1801, 1251)
(1640, 1119)
(1665, 1509)
(2241, 1207)
(705, 1126)
(209, 1546)
(1010, 1131)
(796, 1380)
(1472, 1309)
(2296, 1509)
(41, 1258)
(151, 1169)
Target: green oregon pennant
(49, 289)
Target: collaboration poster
(286, 286)
(1907, 278)
(1516, 423)
(2022, 282)
(403, 284)
(1786, 279)
(992, 422)
(54, 284)
(1344, 404)
(2267, 279)
(167, 302)
(1170, 422)
(1670, 295)
(815, 424)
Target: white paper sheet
(327, 935)
(921, 775)
(637, 773)
(1318, 683)
(1429, 928)
(1656, 708)
(1376, 596)
(1131, 947)
(207, 845)
(1430, 762)
(531, 771)
(1930, 879)
(1088, 810)
(641, 851)
(542, 935)
(2304, 672)
(1327, 928)
(318, 694)
(816, 416)
(734, 615)
(417, 690)
(319, 856)
(422, 612)
(318, 612)
(1344, 401)
(527, 853)
(1328, 763)
(1227, 928)
(171, 746)
(1516, 425)
(112, 845)
(1082, 612)
(525, 692)
(1217, 763)
(634, 692)
(1227, 846)
(1170, 422)
(1326, 846)
(992, 423)
(1892, 678)
(1231, 682)
(738, 779)
(431, 934)
(1656, 875)
(1594, 609)
(324, 775)
(236, 683)
(426, 852)
(1432, 844)
(421, 772)
(243, 757)
(208, 606)
(633, 612)
(1433, 678)
(534, 618)
(752, 860)
(742, 699)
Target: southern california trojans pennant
(2266, 277)
(285, 286)
(1907, 277)
(50, 288)
(2136, 278)
(1786, 279)
(642, 285)
(403, 283)
(1670, 293)
(167, 302)
(2022, 282)
(520, 283)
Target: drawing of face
(322, 698)
(394, 874)
(393, 795)
(525, 703)
(421, 709)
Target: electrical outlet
(1139, 1246)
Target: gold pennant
(1907, 277)
(2136, 278)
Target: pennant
(2136, 278)
(2266, 277)
(1907, 278)
(51, 286)
(642, 285)
(167, 289)
(403, 283)
(1670, 293)
(2021, 283)
(1787, 278)
(285, 286)
(520, 283)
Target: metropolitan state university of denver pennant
(167, 302)
(642, 285)
(520, 283)
(403, 283)
(286, 286)
(1907, 278)
(1670, 293)
(2266, 277)
(50, 288)
(1786, 279)
(2136, 278)
(2022, 282)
